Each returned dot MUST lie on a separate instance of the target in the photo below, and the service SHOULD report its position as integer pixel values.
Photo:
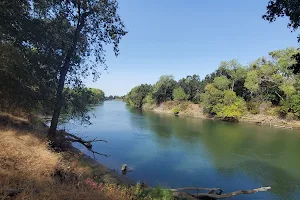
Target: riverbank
(195, 110)
(30, 169)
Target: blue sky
(182, 38)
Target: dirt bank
(196, 110)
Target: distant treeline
(268, 83)
(111, 97)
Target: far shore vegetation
(265, 86)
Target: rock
(124, 167)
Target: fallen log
(178, 193)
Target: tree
(252, 81)
(230, 107)
(191, 86)
(210, 98)
(29, 56)
(221, 82)
(234, 70)
(290, 9)
(163, 89)
(179, 94)
(94, 23)
(137, 95)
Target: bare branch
(178, 193)
(87, 143)
(193, 188)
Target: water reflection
(266, 156)
(175, 151)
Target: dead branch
(193, 188)
(231, 194)
(212, 194)
(87, 143)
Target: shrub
(253, 107)
(264, 107)
(274, 111)
(290, 116)
(179, 94)
(231, 111)
(292, 105)
(175, 110)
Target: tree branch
(231, 194)
(193, 188)
(212, 194)
(87, 143)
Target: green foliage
(157, 193)
(289, 9)
(274, 111)
(288, 89)
(149, 100)
(232, 111)
(221, 83)
(232, 107)
(210, 98)
(191, 86)
(253, 107)
(291, 105)
(163, 89)
(77, 101)
(137, 95)
(179, 94)
(176, 110)
(252, 81)
(290, 116)
(94, 95)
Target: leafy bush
(253, 107)
(291, 105)
(274, 111)
(264, 107)
(175, 110)
(179, 94)
(290, 116)
(149, 100)
(221, 82)
(231, 111)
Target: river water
(171, 151)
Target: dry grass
(27, 163)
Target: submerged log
(179, 193)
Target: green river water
(175, 151)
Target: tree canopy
(233, 88)
(44, 48)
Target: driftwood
(87, 143)
(213, 194)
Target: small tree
(179, 94)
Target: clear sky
(180, 38)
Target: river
(175, 151)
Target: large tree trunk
(59, 101)
(62, 78)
